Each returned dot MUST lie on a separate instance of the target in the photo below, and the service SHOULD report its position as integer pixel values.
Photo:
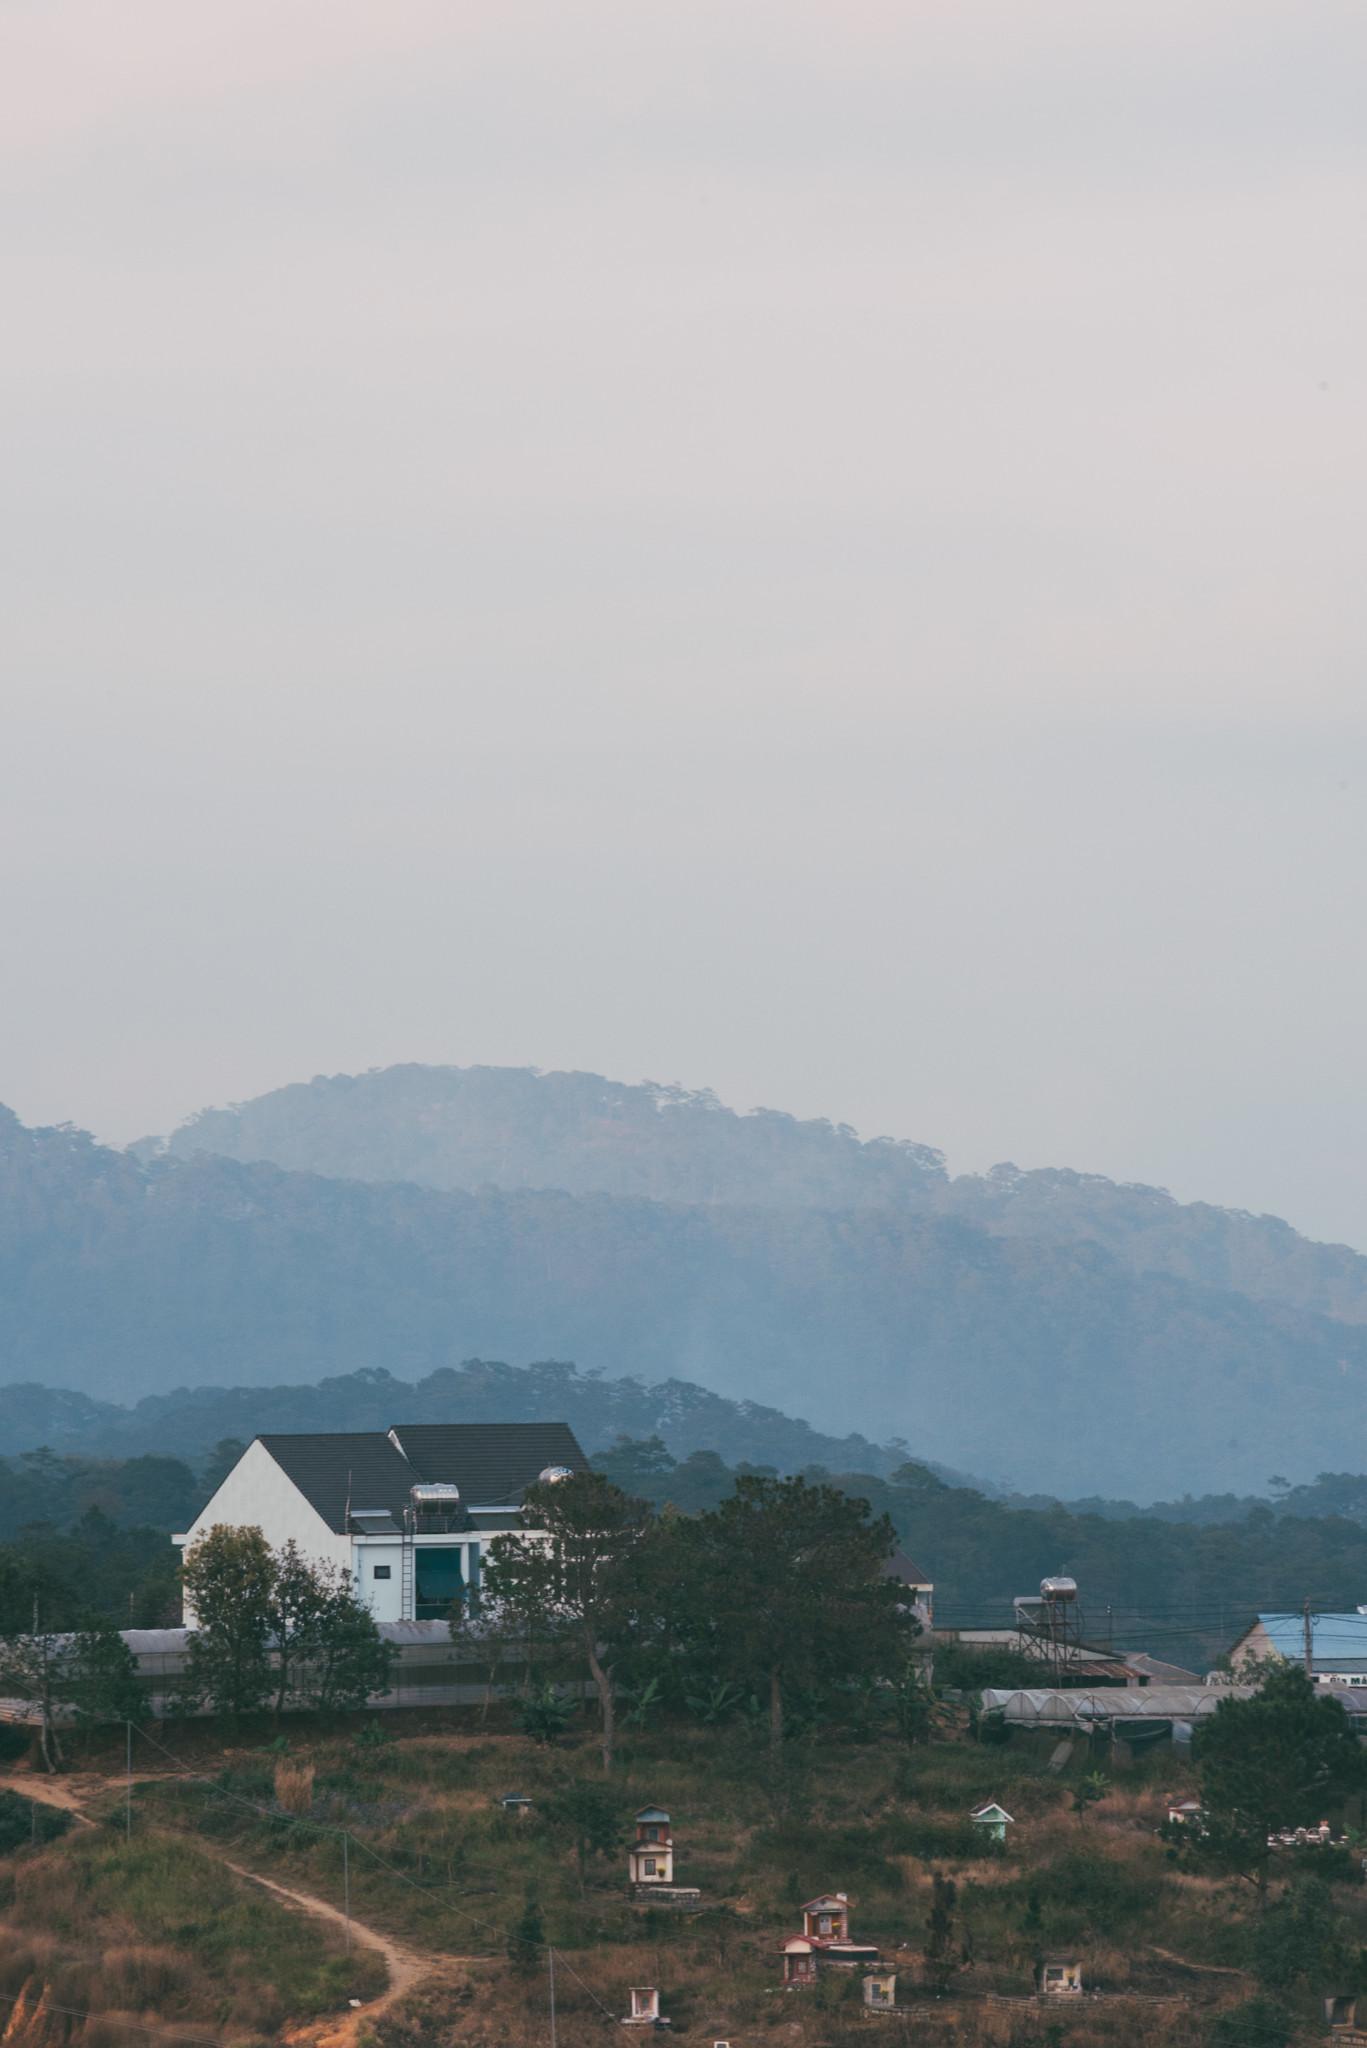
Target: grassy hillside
(435, 1863)
(158, 1933)
(1052, 1363)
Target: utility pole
(346, 1884)
(1309, 1641)
(550, 1960)
(128, 1783)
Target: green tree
(527, 1937)
(298, 1595)
(576, 1582)
(786, 1583)
(916, 1705)
(33, 1667)
(1301, 1936)
(1089, 1792)
(1279, 1759)
(587, 1811)
(229, 1579)
(100, 1681)
(545, 1713)
(347, 1660)
(940, 1958)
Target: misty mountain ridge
(1051, 1365)
(188, 1421)
(467, 1128)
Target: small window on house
(382, 1571)
(649, 1866)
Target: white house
(1338, 1645)
(408, 1511)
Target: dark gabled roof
(361, 1465)
(493, 1463)
(900, 1566)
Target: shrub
(23, 1821)
(545, 1714)
(1257, 2023)
(140, 1978)
(15, 1742)
(931, 1838)
(1086, 1891)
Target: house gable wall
(256, 1493)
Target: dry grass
(294, 1786)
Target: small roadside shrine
(880, 1990)
(799, 1960)
(825, 1941)
(1059, 1976)
(650, 1860)
(650, 1864)
(993, 1820)
(645, 2007)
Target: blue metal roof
(1338, 1642)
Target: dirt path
(405, 1966)
(45, 1791)
(1205, 1969)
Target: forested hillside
(508, 1127)
(188, 1421)
(1052, 1365)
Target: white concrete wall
(257, 1494)
(384, 1597)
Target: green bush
(930, 1838)
(1257, 2023)
(23, 1821)
(1084, 1891)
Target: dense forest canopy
(1051, 1364)
(189, 1420)
(515, 1127)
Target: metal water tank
(1058, 1589)
(434, 1496)
(553, 1474)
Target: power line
(71, 2012)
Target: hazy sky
(812, 549)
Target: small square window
(382, 1571)
(650, 1866)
